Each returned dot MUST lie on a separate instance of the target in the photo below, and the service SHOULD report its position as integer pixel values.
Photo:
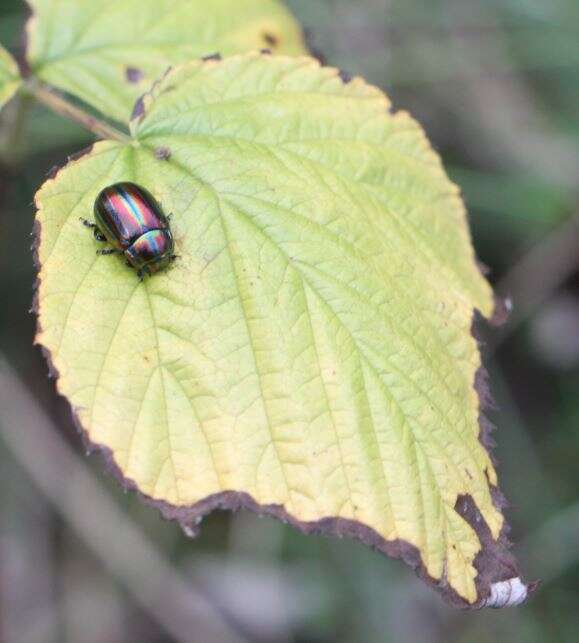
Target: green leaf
(107, 53)
(9, 76)
(309, 355)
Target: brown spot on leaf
(138, 110)
(134, 75)
(78, 155)
(315, 52)
(162, 153)
(345, 76)
(51, 174)
(271, 39)
(55, 169)
(215, 56)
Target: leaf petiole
(57, 103)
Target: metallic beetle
(129, 218)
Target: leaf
(9, 76)
(309, 355)
(107, 53)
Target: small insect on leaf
(129, 218)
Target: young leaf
(9, 76)
(309, 355)
(107, 53)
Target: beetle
(128, 217)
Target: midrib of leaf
(258, 370)
(160, 368)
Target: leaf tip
(498, 582)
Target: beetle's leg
(87, 223)
(173, 257)
(128, 264)
(108, 251)
(141, 275)
(97, 233)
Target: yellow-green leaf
(107, 53)
(309, 355)
(9, 76)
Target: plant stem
(12, 130)
(60, 105)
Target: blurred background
(495, 83)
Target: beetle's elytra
(129, 218)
